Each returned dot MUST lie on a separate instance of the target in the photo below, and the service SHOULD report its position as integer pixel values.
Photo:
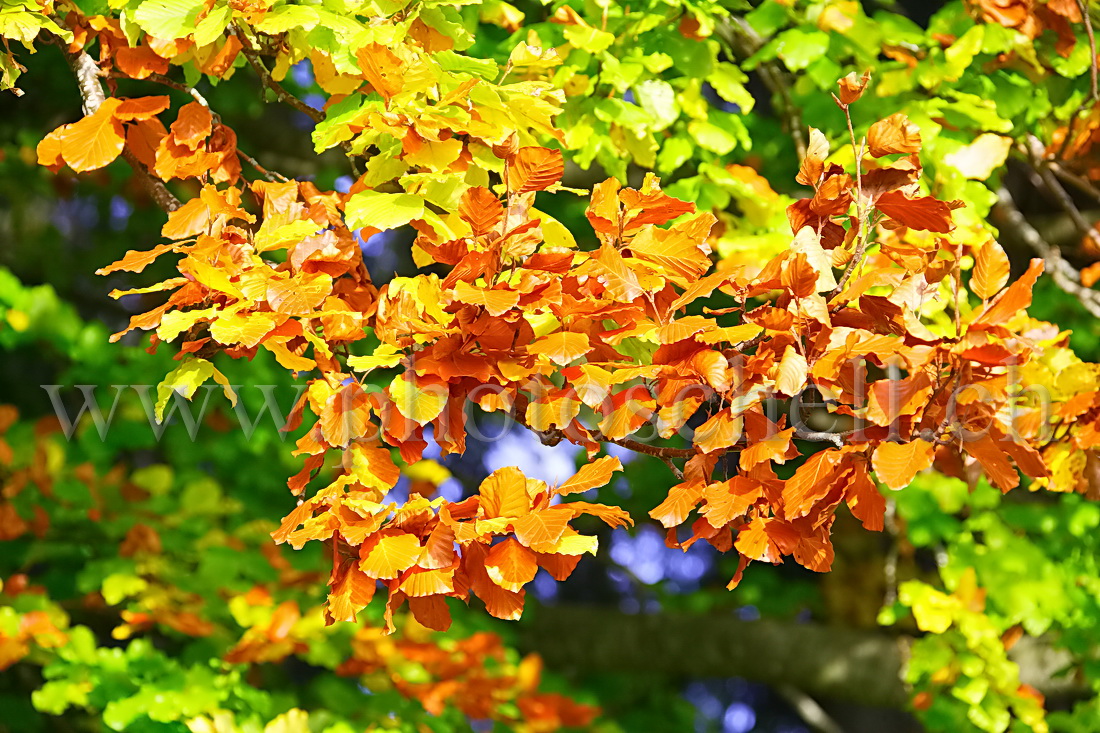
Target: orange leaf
(141, 108)
(543, 527)
(994, 462)
(300, 294)
(792, 372)
(192, 125)
(534, 169)
(811, 482)
(350, 590)
(590, 476)
(864, 499)
(990, 271)
(439, 548)
(562, 347)
(680, 252)
(49, 150)
(720, 431)
(481, 210)
(678, 504)
(813, 165)
(815, 552)
(136, 261)
(766, 539)
(895, 134)
(511, 565)
(140, 62)
(504, 493)
(613, 516)
(389, 555)
(852, 86)
(728, 500)
(1015, 298)
(896, 464)
(418, 582)
(496, 302)
(1089, 275)
(143, 138)
(431, 611)
(560, 567)
(382, 69)
(926, 213)
(94, 141)
(776, 448)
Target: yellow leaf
(792, 371)
(991, 270)
(980, 158)
(496, 302)
(896, 464)
(590, 476)
(562, 347)
(420, 399)
(390, 556)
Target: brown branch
(1082, 6)
(1050, 182)
(861, 235)
(87, 74)
(165, 81)
(744, 41)
(1064, 274)
(268, 81)
(266, 173)
(1082, 184)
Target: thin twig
(1055, 189)
(265, 172)
(1083, 184)
(743, 39)
(861, 234)
(254, 60)
(674, 468)
(1083, 7)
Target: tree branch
(254, 60)
(1064, 274)
(87, 74)
(744, 41)
(825, 662)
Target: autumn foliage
(887, 313)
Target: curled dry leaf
(852, 87)
(895, 134)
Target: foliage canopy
(780, 247)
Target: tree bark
(864, 667)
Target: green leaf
(117, 587)
(168, 19)
(213, 25)
(486, 69)
(184, 379)
(729, 82)
(658, 99)
(285, 17)
(799, 48)
(382, 210)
